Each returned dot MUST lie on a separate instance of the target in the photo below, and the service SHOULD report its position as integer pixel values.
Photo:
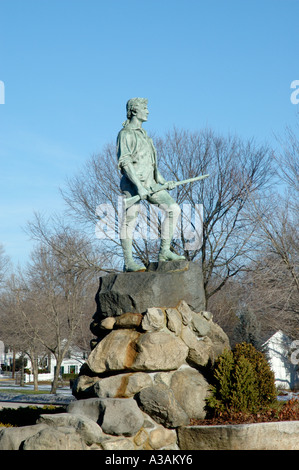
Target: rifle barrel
(132, 200)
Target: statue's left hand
(171, 185)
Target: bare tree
(274, 276)
(60, 296)
(4, 264)
(84, 256)
(15, 331)
(288, 159)
(237, 170)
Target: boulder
(107, 323)
(219, 339)
(89, 408)
(141, 438)
(200, 324)
(89, 431)
(159, 350)
(163, 378)
(174, 321)
(130, 350)
(118, 444)
(153, 319)
(163, 284)
(115, 416)
(128, 320)
(120, 416)
(11, 438)
(190, 389)
(161, 437)
(160, 403)
(185, 312)
(121, 385)
(83, 386)
(201, 352)
(55, 439)
(116, 352)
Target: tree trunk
(56, 375)
(22, 383)
(35, 374)
(13, 363)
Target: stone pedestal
(154, 342)
(163, 285)
(146, 375)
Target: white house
(283, 358)
(2, 353)
(71, 364)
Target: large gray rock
(116, 416)
(87, 428)
(123, 350)
(55, 439)
(83, 387)
(128, 320)
(200, 324)
(89, 408)
(201, 352)
(11, 438)
(219, 340)
(120, 416)
(160, 403)
(118, 444)
(190, 389)
(163, 285)
(174, 321)
(159, 350)
(153, 319)
(122, 385)
(162, 437)
(116, 352)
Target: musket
(132, 200)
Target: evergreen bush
(242, 382)
(26, 416)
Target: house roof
(278, 333)
(266, 335)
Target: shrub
(26, 416)
(242, 382)
(69, 376)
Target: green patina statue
(141, 179)
(137, 161)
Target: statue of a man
(137, 161)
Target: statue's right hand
(142, 192)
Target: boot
(165, 254)
(130, 265)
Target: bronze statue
(141, 179)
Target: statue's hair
(131, 106)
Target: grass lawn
(23, 392)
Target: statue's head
(133, 103)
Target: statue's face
(142, 112)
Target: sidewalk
(10, 399)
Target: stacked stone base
(147, 374)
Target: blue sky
(69, 66)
